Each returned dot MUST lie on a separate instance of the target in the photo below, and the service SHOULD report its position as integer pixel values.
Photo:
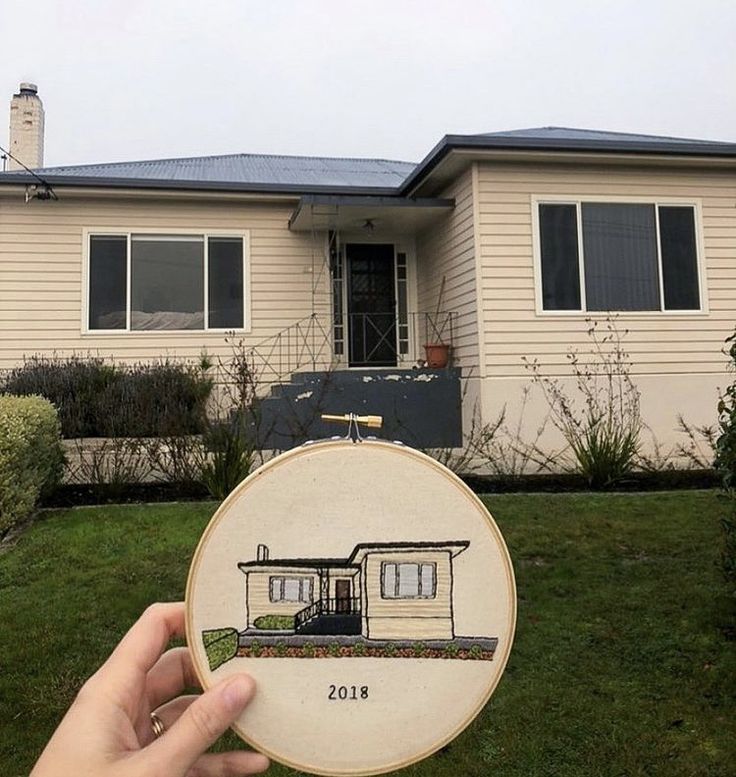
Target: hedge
(31, 457)
(220, 645)
(99, 398)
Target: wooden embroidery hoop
(281, 470)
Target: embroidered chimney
(26, 128)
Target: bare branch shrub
(497, 449)
(112, 462)
(699, 451)
(600, 420)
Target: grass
(622, 664)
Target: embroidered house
(382, 590)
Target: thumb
(201, 724)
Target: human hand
(107, 731)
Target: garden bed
(466, 649)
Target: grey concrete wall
(420, 407)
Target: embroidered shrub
(274, 622)
(220, 645)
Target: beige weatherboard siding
(447, 250)
(675, 355)
(258, 592)
(42, 272)
(415, 618)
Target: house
(336, 273)
(382, 590)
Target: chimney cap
(26, 87)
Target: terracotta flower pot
(438, 355)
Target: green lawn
(621, 664)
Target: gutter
(76, 181)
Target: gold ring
(157, 725)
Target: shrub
(726, 465)
(220, 645)
(96, 398)
(601, 422)
(229, 454)
(274, 622)
(31, 457)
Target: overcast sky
(140, 79)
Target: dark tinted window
(167, 282)
(225, 282)
(620, 250)
(679, 258)
(560, 263)
(107, 281)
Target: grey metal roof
(243, 171)
(333, 175)
(605, 136)
(568, 139)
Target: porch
(369, 346)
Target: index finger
(146, 640)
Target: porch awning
(316, 212)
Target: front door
(371, 304)
(342, 596)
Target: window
(408, 581)
(601, 256)
(290, 589)
(143, 282)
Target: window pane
(307, 590)
(225, 282)
(276, 589)
(620, 250)
(428, 580)
(558, 230)
(408, 580)
(389, 581)
(292, 589)
(679, 258)
(107, 281)
(167, 282)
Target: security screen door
(371, 304)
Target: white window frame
(398, 564)
(577, 201)
(89, 232)
(302, 580)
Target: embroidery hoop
(392, 459)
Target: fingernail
(238, 692)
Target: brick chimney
(26, 128)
